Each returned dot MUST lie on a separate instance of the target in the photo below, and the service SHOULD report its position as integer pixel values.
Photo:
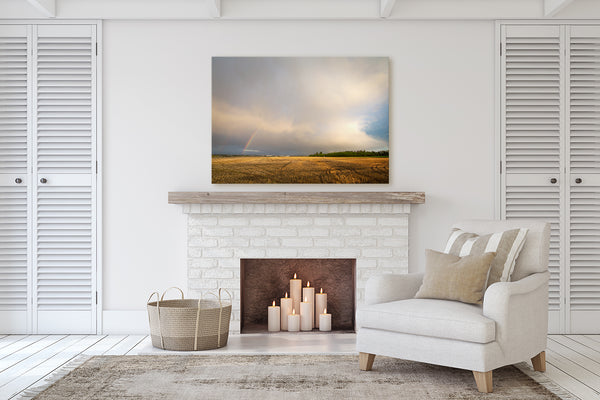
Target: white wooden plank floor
(573, 361)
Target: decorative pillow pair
(469, 264)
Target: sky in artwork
(299, 106)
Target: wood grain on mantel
(296, 197)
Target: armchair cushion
(430, 317)
(450, 277)
(506, 244)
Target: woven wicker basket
(192, 324)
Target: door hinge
(96, 167)
(500, 167)
(500, 49)
(96, 48)
(96, 297)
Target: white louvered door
(14, 200)
(48, 178)
(64, 179)
(551, 152)
(583, 179)
(532, 118)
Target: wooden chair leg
(539, 362)
(365, 361)
(484, 381)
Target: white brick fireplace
(219, 235)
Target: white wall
(157, 105)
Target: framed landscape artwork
(300, 120)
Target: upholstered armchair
(509, 327)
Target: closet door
(583, 179)
(532, 118)
(64, 178)
(14, 199)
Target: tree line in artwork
(350, 153)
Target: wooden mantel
(296, 197)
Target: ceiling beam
(553, 7)
(214, 8)
(48, 7)
(386, 7)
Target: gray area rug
(279, 377)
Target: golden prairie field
(248, 169)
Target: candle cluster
(312, 310)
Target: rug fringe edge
(546, 382)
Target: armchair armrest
(520, 310)
(388, 287)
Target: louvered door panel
(64, 166)
(14, 203)
(584, 179)
(532, 82)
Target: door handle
(18, 180)
(578, 180)
(44, 180)
(553, 180)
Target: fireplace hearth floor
(273, 343)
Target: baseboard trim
(125, 322)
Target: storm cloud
(299, 106)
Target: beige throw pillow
(507, 245)
(451, 277)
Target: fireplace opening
(263, 281)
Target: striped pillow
(507, 245)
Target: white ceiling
(300, 9)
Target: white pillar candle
(306, 316)
(293, 321)
(325, 322)
(308, 294)
(296, 292)
(286, 309)
(320, 306)
(274, 318)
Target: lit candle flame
(293, 311)
(306, 299)
(294, 275)
(273, 303)
(286, 295)
(308, 284)
(321, 290)
(325, 311)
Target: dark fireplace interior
(265, 280)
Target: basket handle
(158, 299)
(172, 287)
(228, 292)
(221, 314)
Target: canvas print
(300, 120)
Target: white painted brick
(361, 242)
(249, 253)
(282, 253)
(217, 232)
(217, 273)
(282, 232)
(333, 209)
(195, 252)
(366, 208)
(200, 241)
(378, 231)
(234, 242)
(203, 284)
(194, 230)
(233, 221)
(361, 221)
(217, 252)
(250, 232)
(329, 242)
(386, 208)
(217, 208)
(313, 232)
(194, 273)
(297, 221)
(354, 208)
(197, 219)
(265, 221)
(391, 221)
(238, 208)
(229, 284)
(314, 253)
(265, 242)
(296, 242)
(202, 263)
(392, 242)
(377, 252)
(322, 208)
(401, 231)
(232, 263)
(366, 263)
(345, 253)
(401, 208)
(345, 231)
(329, 221)
(344, 208)
(312, 208)
(388, 263)
(401, 252)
